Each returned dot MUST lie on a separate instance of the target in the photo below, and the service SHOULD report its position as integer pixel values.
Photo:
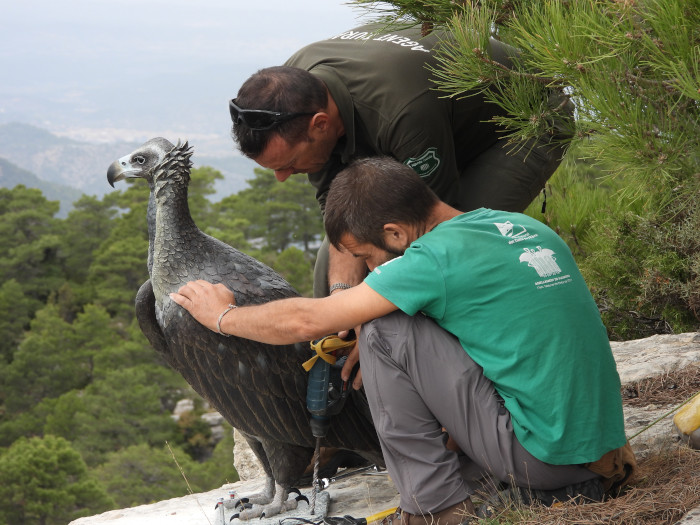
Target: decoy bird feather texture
(259, 389)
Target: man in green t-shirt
(483, 354)
(370, 91)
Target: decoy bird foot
(273, 508)
(239, 503)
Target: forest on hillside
(85, 403)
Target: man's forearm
(279, 322)
(284, 321)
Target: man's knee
(396, 325)
(391, 322)
(408, 341)
(374, 333)
(387, 338)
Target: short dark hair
(372, 192)
(284, 89)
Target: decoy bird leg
(275, 505)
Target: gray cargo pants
(419, 379)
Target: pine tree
(278, 215)
(45, 481)
(632, 68)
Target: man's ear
(319, 122)
(396, 235)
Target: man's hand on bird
(204, 301)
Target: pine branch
(548, 81)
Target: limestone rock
(358, 496)
(661, 435)
(183, 406)
(649, 357)
(216, 424)
(642, 358)
(692, 518)
(213, 419)
(247, 464)
(365, 495)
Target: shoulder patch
(425, 164)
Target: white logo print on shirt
(507, 229)
(542, 261)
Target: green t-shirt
(509, 289)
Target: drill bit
(315, 482)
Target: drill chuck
(319, 426)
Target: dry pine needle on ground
(668, 484)
(667, 488)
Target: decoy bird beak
(114, 173)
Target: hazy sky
(123, 65)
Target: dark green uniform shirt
(389, 106)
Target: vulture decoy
(259, 389)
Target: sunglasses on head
(260, 119)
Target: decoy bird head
(140, 163)
(154, 160)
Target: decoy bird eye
(140, 159)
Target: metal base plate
(302, 511)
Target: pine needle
(189, 489)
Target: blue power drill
(326, 392)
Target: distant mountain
(60, 160)
(83, 165)
(11, 176)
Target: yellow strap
(324, 347)
(380, 515)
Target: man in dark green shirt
(366, 92)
